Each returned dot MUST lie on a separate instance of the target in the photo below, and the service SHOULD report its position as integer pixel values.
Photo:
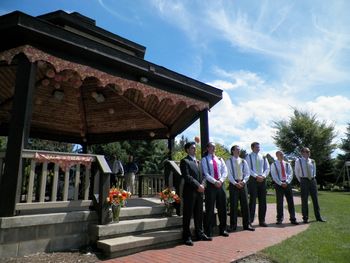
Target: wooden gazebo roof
(92, 86)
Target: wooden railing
(145, 184)
(46, 185)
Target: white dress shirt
(208, 169)
(231, 169)
(277, 173)
(264, 167)
(301, 165)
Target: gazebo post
(171, 143)
(204, 129)
(18, 134)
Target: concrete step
(141, 211)
(129, 244)
(134, 226)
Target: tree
(46, 145)
(304, 130)
(149, 155)
(345, 146)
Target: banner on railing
(64, 161)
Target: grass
(321, 242)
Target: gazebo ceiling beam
(145, 112)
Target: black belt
(308, 178)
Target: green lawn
(321, 242)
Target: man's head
(305, 152)
(279, 155)
(255, 147)
(190, 148)
(235, 150)
(211, 147)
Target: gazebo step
(120, 246)
(141, 211)
(134, 226)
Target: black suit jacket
(191, 174)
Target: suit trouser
(309, 187)
(241, 196)
(257, 190)
(215, 195)
(192, 205)
(280, 193)
(130, 182)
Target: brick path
(224, 249)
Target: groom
(192, 195)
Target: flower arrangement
(117, 197)
(169, 196)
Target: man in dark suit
(192, 196)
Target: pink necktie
(283, 172)
(215, 166)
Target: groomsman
(305, 171)
(282, 175)
(215, 173)
(259, 170)
(192, 197)
(238, 175)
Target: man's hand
(284, 185)
(260, 178)
(200, 188)
(218, 184)
(239, 185)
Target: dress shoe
(188, 242)
(249, 228)
(232, 228)
(294, 222)
(224, 233)
(279, 222)
(204, 237)
(263, 224)
(305, 221)
(321, 220)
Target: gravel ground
(91, 257)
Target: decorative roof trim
(122, 85)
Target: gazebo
(65, 79)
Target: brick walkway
(223, 249)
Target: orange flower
(117, 196)
(169, 196)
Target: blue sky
(267, 56)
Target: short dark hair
(233, 148)
(253, 144)
(188, 145)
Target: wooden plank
(66, 185)
(31, 181)
(55, 183)
(46, 205)
(43, 182)
(77, 182)
(87, 183)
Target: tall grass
(321, 242)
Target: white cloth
(264, 167)
(117, 167)
(231, 169)
(300, 170)
(208, 172)
(277, 174)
